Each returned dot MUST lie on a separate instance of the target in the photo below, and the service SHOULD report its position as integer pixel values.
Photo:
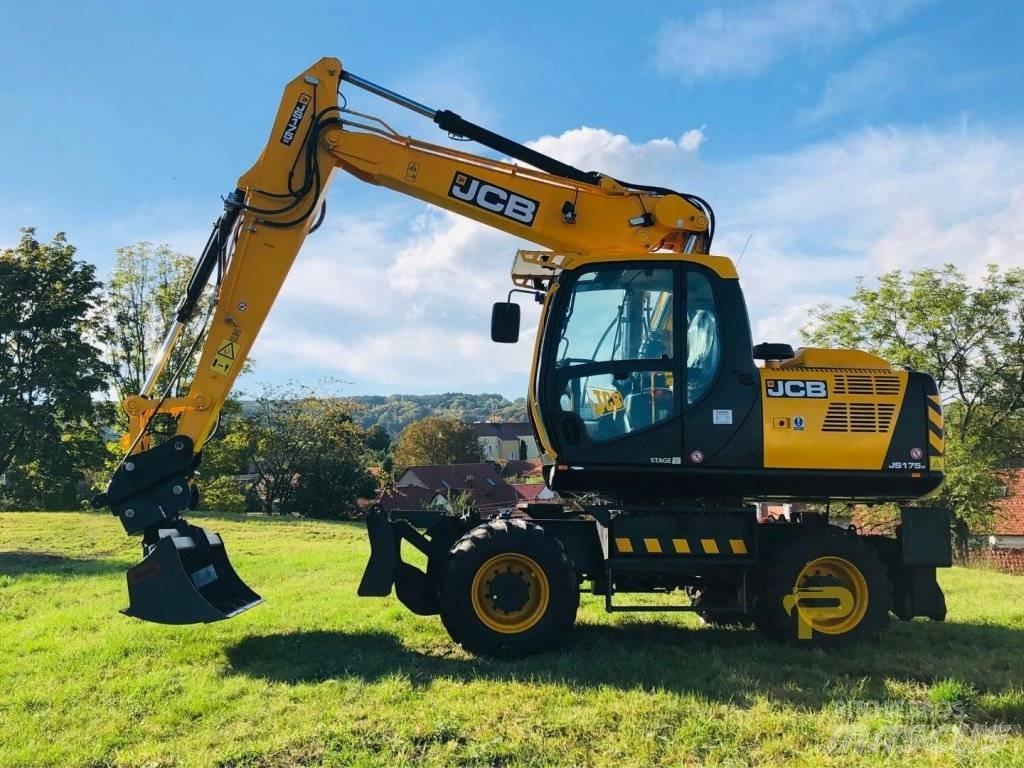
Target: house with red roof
(488, 492)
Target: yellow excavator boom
(281, 198)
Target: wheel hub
(509, 591)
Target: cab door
(722, 410)
(611, 366)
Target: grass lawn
(318, 676)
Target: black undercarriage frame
(661, 549)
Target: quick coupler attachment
(151, 487)
(186, 578)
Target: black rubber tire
(779, 576)
(701, 599)
(477, 547)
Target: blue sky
(846, 138)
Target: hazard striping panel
(652, 545)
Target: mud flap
(186, 578)
(925, 545)
(918, 593)
(380, 573)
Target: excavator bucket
(186, 578)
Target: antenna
(744, 249)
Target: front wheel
(508, 589)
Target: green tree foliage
(395, 412)
(145, 287)
(436, 440)
(971, 339)
(378, 439)
(227, 453)
(307, 452)
(223, 494)
(49, 370)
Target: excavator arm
(186, 576)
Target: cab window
(615, 354)
(703, 343)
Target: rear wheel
(825, 591)
(509, 589)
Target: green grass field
(318, 676)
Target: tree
(49, 369)
(308, 453)
(145, 287)
(378, 439)
(971, 339)
(437, 440)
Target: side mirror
(505, 322)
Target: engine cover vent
(861, 384)
(859, 417)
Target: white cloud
(743, 41)
(616, 155)
(868, 203)
(872, 81)
(692, 139)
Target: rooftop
(504, 430)
(480, 480)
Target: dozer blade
(186, 578)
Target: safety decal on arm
(227, 353)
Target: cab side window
(703, 341)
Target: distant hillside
(394, 412)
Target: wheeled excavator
(662, 425)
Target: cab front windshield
(624, 316)
(615, 350)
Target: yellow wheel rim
(510, 593)
(835, 571)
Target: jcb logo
(796, 388)
(493, 198)
(815, 604)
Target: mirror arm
(538, 296)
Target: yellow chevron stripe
(681, 546)
(935, 440)
(935, 399)
(935, 417)
(710, 546)
(624, 545)
(738, 546)
(653, 546)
